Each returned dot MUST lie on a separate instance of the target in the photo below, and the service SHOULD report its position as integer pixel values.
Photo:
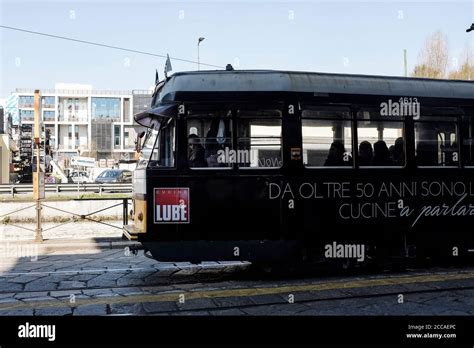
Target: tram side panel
(204, 217)
(388, 212)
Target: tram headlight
(139, 212)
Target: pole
(405, 62)
(38, 182)
(39, 232)
(199, 41)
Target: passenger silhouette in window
(381, 154)
(337, 156)
(366, 153)
(217, 139)
(398, 152)
(196, 158)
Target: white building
(81, 120)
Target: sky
(354, 37)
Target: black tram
(273, 166)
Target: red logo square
(171, 205)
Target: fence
(13, 189)
(123, 202)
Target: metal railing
(14, 189)
(124, 202)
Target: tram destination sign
(171, 205)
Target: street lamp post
(199, 41)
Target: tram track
(238, 275)
(323, 299)
(304, 292)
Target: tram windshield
(159, 147)
(147, 148)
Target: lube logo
(171, 205)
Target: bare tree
(466, 69)
(433, 59)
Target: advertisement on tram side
(171, 205)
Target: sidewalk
(76, 236)
(67, 245)
(71, 230)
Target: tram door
(230, 156)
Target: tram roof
(297, 82)
(314, 82)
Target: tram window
(380, 143)
(209, 139)
(147, 148)
(163, 154)
(326, 143)
(436, 144)
(258, 141)
(326, 112)
(468, 140)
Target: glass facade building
(107, 109)
(91, 123)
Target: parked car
(95, 172)
(114, 176)
(78, 177)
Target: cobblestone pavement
(114, 282)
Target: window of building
(327, 136)
(68, 142)
(106, 109)
(26, 101)
(72, 109)
(116, 137)
(50, 139)
(48, 102)
(126, 137)
(380, 140)
(436, 142)
(126, 110)
(27, 115)
(258, 139)
(209, 138)
(76, 136)
(48, 116)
